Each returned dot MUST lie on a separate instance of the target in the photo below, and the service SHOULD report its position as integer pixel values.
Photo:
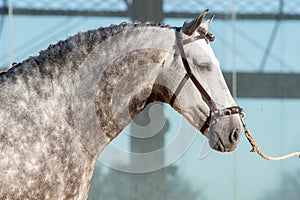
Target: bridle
(214, 113)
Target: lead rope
(256, 149)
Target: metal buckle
(226, 112)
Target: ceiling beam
(266, 85)
(103, 13)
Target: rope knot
(254, 149)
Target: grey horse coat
(43, 155)
(54, 121)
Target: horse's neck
(125, 84)
(113, 82)
(96, 88)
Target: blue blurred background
(257, 45)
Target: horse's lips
(219, 146)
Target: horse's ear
(205, 25)
(189, 28)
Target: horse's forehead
(202, 51)
(203, 45)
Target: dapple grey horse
(61, 108)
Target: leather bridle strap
(180, 86)
(214, 112)
(206, 124)
(189, 74)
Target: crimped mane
(74, 42)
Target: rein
(215, 113)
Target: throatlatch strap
(180, 86)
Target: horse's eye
(227, 112)
(203, 66)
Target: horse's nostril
(235, 135)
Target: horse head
(202, 95)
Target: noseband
(214, 113)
